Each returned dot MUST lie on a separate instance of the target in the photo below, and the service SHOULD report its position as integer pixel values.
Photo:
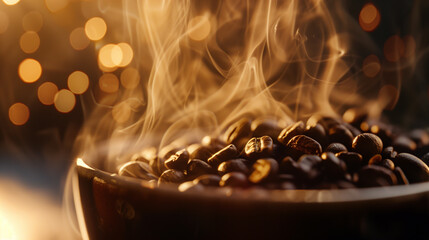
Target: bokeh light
(127, 54)
(371, 66)
(121, 112)
(199, 28)
(78, 39)
(29, 42)
(394, 48)
(109, 83)
(29, 70)
(130, 78)
(64, 101)
(78, 82)
(32, 21)
(95, 28)
(106, 55)
(56, 5)
(369, 17)
(11, 2)
(19, 114)
(46, 93)
(4, 22)
(410, 46)
(116, 55)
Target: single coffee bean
(318, 133)
(208, 180)
(425, 159)
(200, 152)
(325, 121)
(336, 148)
(400, 175)
(404, 144)
(375, 160)
(387, 163)
(171, 176)
(190, 186)
(341, 134)
(259, 147)
(265, 127)
(333, 167)
(374, 176)
(414, 168)
(235, 165)
(214, 143)
(238, 133)
(263, 170)
(136, 169)
(234, 179)
(310, 168)
(198, 167)
(353, 160)
(367, 144)
(289, 132)
(226, 153)
(289, 166)
(352, 129)
(178, 161)
(301, 144)
(389, 153)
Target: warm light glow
(4, 22)
(46, 93)
(32, 21)
(95, 28)
(127, 54)
(64, 101)
(371, 66)
(410, 46)
(11, 2)
(199, 28)
(56, 5)
(130, 78)
(369, 17)
(29, 70)
(78, 39)
(109, 83)
(106, 55)
(121, 112)
(116, 55)
(78, 82)
(29, 42)
(19, 114)
(7, 231)
(394, 48)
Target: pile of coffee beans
(319, 153)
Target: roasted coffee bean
(226, 153)
(367, 144)
(289, 132)
(265, 127)
(178, 161)
(341, 134)
(289, 166)
(259, 147)
(214, 143)
(157, 165)
(235, 165)
(190, 186)
(375, 160)
(389, 152)
(425, 159)
(136, 169)
(309, 166)
(263, 170)
(198, 167)
(404, 144)
(333, 167)
(239, 133)
(318, 133)
(208, 180)
(352, 129)
(353, 160)
(374, 176)
(336, 148)
(420, 137)
(402, 179)
(197, 151)
(139, 158)
(301, 144)
(234, 179)
(325, 121)
(171, 176)
(414, 168)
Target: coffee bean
(325, 121)
(402, 179)
(157, 165)
(190, 186)
(404, 144)
(341, 134)
(420, 137)
(374, 176)
(333, 167)
(265, 127)
(301, 144)
(198, 167)
(171, 176)
(309, 166)
(389, 153)
(235, 165)
(352, 129)
(288, 133)
(425, 159)
(259, 147)
(318, 133)
(289, 166)
(226, 153)
(200, 152)
(178, 160)
(234, 179)
(214, 143)
(263, 170)
(208, 180)
(353, 160)
(136, 169)
(336, 148)
(239, 133)
(413, 167)
(367, 144)
(375, 160)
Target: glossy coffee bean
(259, 147)
(190, 186)
(425, 159)
(289, 166)
(301, 144)
(404, 144)
(234, 179)
(336, 148)
(234, 165)
(238, 133)
(333, 167)
(157, 165)
(325, 121)
(400, 175)
(289, 132)
(265, 127)
(137, 169)
(171, 176)
(367, 144)
(389, 152)
(263, 170)
(208, 180)
(318, 133)
(341, 134)
(227, 153)
(214, 143)
(310, 167)
(196, 167)
(200, 152)
(178, 161)
(352, 160)
(413, 167)
(375, 176)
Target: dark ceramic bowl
(116, 207)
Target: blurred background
(59, 59)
